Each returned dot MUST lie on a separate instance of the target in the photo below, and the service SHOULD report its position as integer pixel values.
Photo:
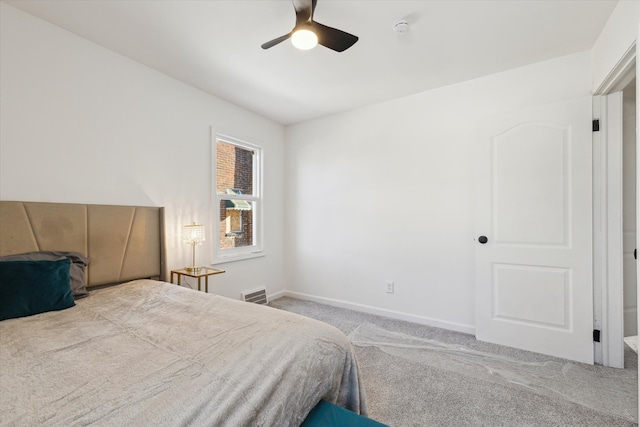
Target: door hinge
(596, 335)
(595, 125)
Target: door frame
(607, 214)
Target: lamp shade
(193, 234)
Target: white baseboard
(276, 295)
(452, 326)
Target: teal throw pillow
(32, 287)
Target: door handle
(483, 239)
(635, 254)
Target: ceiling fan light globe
(304, 39)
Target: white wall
(616, 38)
(386, 193)
(81, 124)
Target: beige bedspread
(152, 353)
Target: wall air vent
(257, 296)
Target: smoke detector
(402, 26)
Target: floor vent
(258, 296)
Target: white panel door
(534, 287)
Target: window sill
(237, 257)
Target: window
(238, 196)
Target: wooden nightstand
(204, 272)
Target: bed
(147, 352)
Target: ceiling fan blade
(333, 38)
(274, 42)
(304, 10)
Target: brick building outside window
(237, 176)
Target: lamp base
(193, 269)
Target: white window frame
(257, 200)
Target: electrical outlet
(390, 287)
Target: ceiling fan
(307, 32)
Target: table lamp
(193, 235)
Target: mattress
(152, 353)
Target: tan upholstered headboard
(122, 242)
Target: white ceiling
(215, 45)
